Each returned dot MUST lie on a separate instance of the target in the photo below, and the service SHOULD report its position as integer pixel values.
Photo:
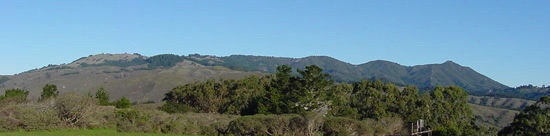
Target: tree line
(311, 91)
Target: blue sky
(508, 41)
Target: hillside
(491, 116)
(121, 74)
(445, 74)
(506, 103)
(525, 92)
(148, 78)
(141, 78)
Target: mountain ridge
(106, 69)
(426, 75)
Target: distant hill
(143, 78)
(137, 77)
(525, 92)
(445, 74)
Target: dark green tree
(102, 96)
(340, 99)
(49, 91)
(532, 121)
(369, 99)
(123, 103)
(312, 88)
(14, 95)
(275, 99)
(457, 122)
(164, 60)
(211, 96)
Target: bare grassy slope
(507, 103)
(138, 83)
(491, 116)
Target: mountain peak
(319, 58)
(102, 58)
(380, 62)
(449, 62)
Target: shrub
(123, 103)
(386, 126)
(339, 126)
(198, 123)
(102, 117)
(49, 91)
(171, 107)
(102, 96)
(13, 96)
(29, 117)
(133, 121)
(130, 120)
(75, 110)
(286, 124)
(336, 126)
(68, 110)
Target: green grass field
(80, 132)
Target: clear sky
(508, 41)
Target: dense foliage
(49, 91)
(102, 96)
(311, 91)
(164, 60)
(123, 103)
(14, 96)
(532, 121)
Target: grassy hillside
(491, 116)
(141, 82)
(506, 103)
(525, 92)
(140, 73)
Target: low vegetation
(307, 103)
(80, 132)
(493, 117)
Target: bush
(339, 126)
(171, 107)
(130, 120)
(75, 110)
(123, 103)
(29, 117)
(49, 91)
(287, 124)
(336, 126)
(102, 117)
(133, 121)
(13, 96)
(198, 123)
(67, 111)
